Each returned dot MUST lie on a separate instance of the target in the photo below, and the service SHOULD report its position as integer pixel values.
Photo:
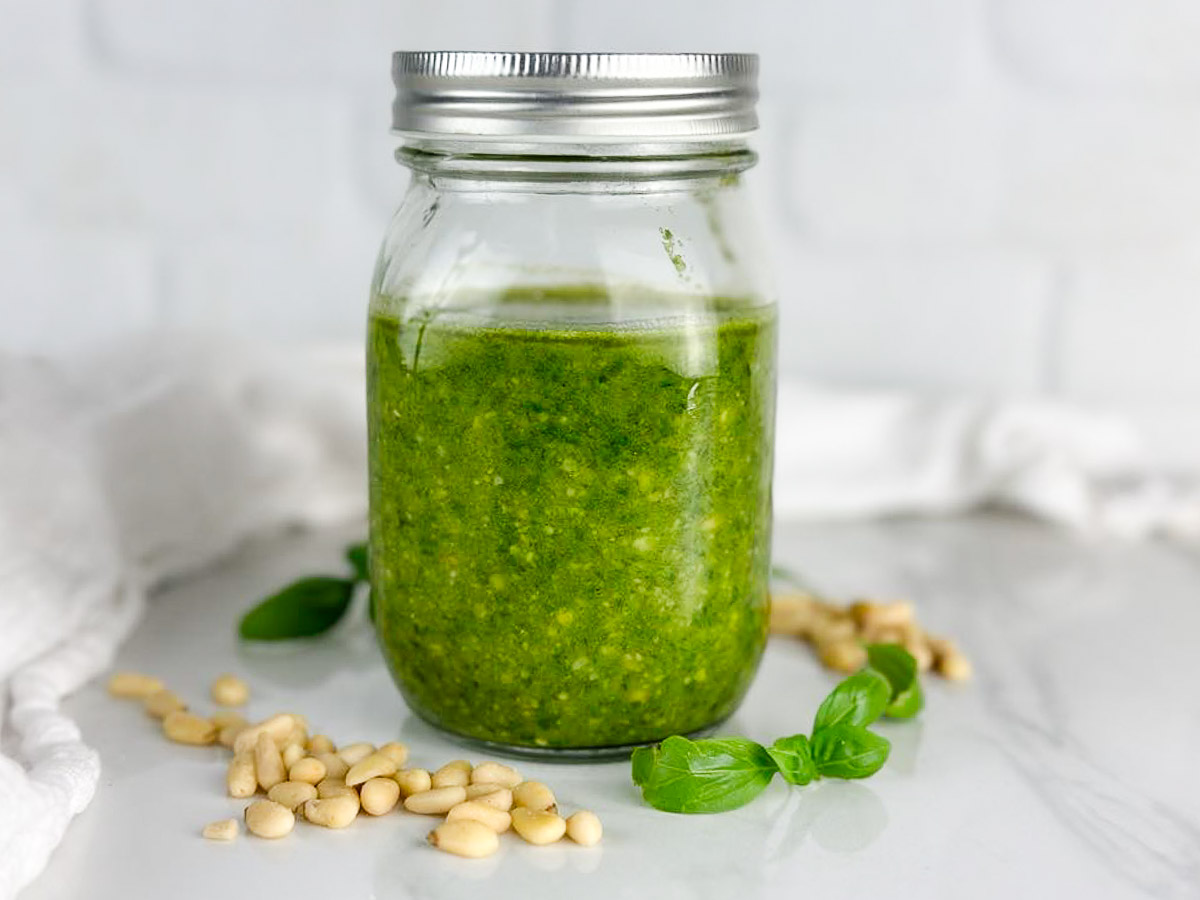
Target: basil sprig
(718, 774)
(308, 606)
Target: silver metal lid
(591, 97)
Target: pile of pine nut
(839, 633)
(307, 777)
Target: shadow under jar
(571, 381)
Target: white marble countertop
(1066, 769)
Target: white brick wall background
(998, 196)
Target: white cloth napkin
(118, 471)
(122, 469)
(850, 454)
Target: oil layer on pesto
(570, 527)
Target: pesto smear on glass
(570, 526)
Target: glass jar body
(571, 407)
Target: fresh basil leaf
(793, 758)
(849, 751)
(644, 760)
(907, 704)
(894, 663)
(705, 776)
(356, 555)
(304, 608)
(899, 667)
(858, 700)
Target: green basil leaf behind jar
(305, 608)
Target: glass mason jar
(571, 382)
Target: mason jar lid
(589, 97)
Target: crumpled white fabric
(851, 454)
(122, 469)
(116, 472)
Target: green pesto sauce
(570, 529)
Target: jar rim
(655, 166)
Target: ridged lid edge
(583, 66)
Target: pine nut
(268, 762)
(229, 690)
(495, 773)
(869, 614)
(308, 770)
(833, 631)
(268, 819)
(792, 613)
(456, 773)
(921, 652)
(356, 753)
(396, 752)
(538, 826)
(465, 837)
(832, 627)
(227, 736)
(186, 728)
(474, 791)
(298, 735)
(320, 743)
(887, 634)
(534, 795)
(133, 685)
(496, 819)
(335, 766)
(161, 703)
(949, 661)
(332, 812)
(501, 799)
(292, 754)
(223, 830)
(292, 794)
(584, 828)
(956, 667)
(278, 727)
(379, 795)
(223, 718)
(436, 801)
(240, 778)
(334, 787)
(898, 612)
(842, 655)
(413, 781)
(374, 766)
